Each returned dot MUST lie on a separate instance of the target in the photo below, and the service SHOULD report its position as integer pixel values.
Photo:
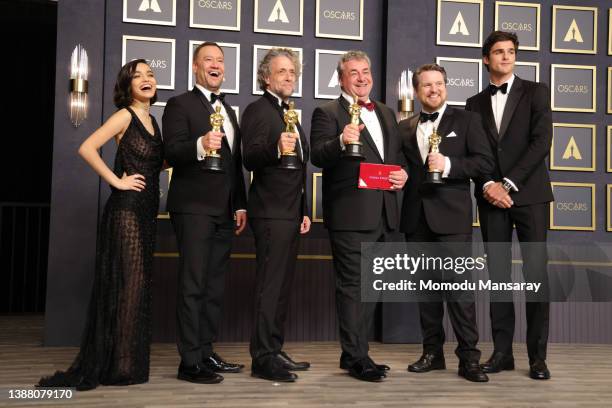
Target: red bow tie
(368, 105)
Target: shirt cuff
(200, 149)
(342, 146)
(447, 167)
(241, 210)
(512, 184)
(485, 185)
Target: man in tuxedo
(518, 122)
(442, 213)
(277, 210)
(202, 208)
(353, 215)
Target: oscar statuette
(434, 176)
(289, 160)
(352, 150)
(212, 161)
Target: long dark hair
(122, 96)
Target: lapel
(384, 126)
(413, 144)
(487, 114)
(445, 125)
(446, 122)
(274, 102)
(304, 142)
(516, 92)
(230, 112)
(365, 135)
(232, 115)
(204, 100)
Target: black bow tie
(503, 88)
(214, 97)
(285, 105)
(424, 117)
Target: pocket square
(452, 134)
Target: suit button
(499, 149)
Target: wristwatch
(507, 186)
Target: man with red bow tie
(353, 215)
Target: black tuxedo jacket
(274, 192)
(523, 142)
(346, 207)
(192, 189)
(447, 207)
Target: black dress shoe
(270, 368)
(498, 362)
(198, 374)
(471, 371)
(428, 362)
(365, 370)
(289, 364)
(345, 365)
(215, 363)
(538, 370)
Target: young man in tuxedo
(202, 208)
(442, 213)
(277, 209)
(353, 215)
(518, 122)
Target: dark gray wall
(75, 188)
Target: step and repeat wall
(565, 44)
(166, 32)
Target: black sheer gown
(116, 342)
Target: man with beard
(442, 213)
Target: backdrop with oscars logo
(567, 46)
(165, 33)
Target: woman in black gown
(116, 340)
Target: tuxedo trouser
(354, 317)
(462, 314)
(531, 223)
(276, 243)
(204, 244)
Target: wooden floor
(582, 376)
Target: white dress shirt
(498, 104)
(424, 130)
(370, 120)
(228, 128)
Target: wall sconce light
(405, 93)
(78, 85)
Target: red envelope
(376, 176)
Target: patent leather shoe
(428, 362)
